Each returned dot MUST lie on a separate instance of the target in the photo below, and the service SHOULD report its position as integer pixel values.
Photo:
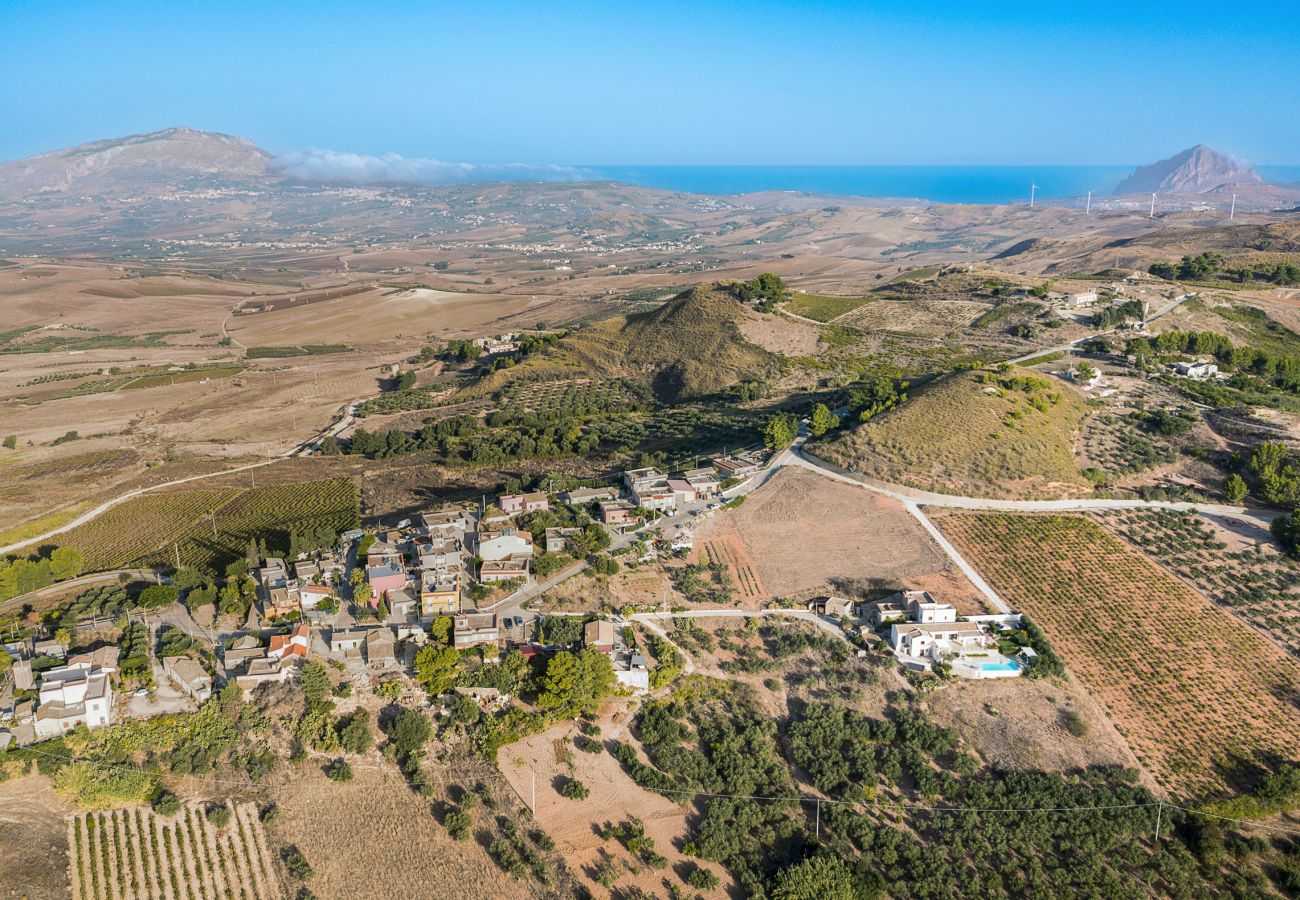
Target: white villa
(923, 632)
(73, 695)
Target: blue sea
(940, 184)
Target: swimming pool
(1005, 665)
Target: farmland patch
(1201, 698)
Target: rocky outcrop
(1194, 171)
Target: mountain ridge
(169, 157)
(1196, 170)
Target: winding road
(912, 499)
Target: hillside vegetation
(980, 434)
(689, 347)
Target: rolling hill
(689, 347)
(976, 434)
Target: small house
(616, 512)
(189, 676)
(472, 629)
(683, 491)
(496, 570)
(347, 641)
(384, 578)
(599, 634)
(1197, 371)
(557, 539)
(380, 649)
(295, 645)
(584, 496)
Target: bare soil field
(645, 586)
(1201, 698)
(613, 798)
(933, 318)
(724, 546)
(379, 315)
(804, 535)
(33, 840)
(1029, 725)
(782, 334)
(366, 837)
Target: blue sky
(664, 82)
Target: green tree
(11, 442)
(1287, 531)
(559, 681)
(1234, 488)
(315, 680)
(822, 420)
(156, 595)
(780, 431)
(816, 878)
(409, 731)
(436, 668)
(65, 562)
(440, 631)
(355, 735)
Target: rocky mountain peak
(1194, 171)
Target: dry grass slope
(961, 436)
(1200, 697)
(689, 347)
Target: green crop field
(166, 378)
(210, 527)
(130, 531)
(1199, 696)
(823, 307)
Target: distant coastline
(937, 184)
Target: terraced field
(131, 854)
(1200, 697)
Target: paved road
(1257, 517)
(82, 581)
(348, 417)
(1066, 348)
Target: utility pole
(213, 516)
(1232, 214)
(178, 555)
(1152, 214)
(819, 820)
(533, 772)
(1087, 210)
(1160, 807)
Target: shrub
(458, 824)
(1074, 723)
(339, 770)
(219, 815)
(574, 789)
(296, 862)
(165, 803)
(703, 879)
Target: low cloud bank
(392, 168)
